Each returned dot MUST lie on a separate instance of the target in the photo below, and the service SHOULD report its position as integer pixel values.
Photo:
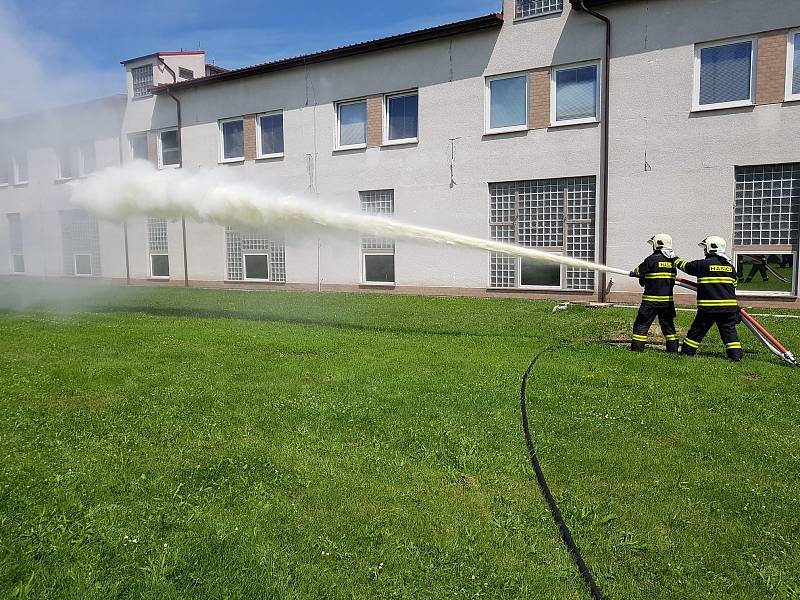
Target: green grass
(168, 443)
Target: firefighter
(657, 275)
(716, 298)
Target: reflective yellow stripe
(730, 280)
(733, 345)
(659, 276)
(717, 303)
(681, 263)
(640, 338)
(691, 343)
(670, 338)
(636, 271)
(657, 298)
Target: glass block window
(157, 235)
(80, 239)
(725, 72)
(534, 8)
(142, 80)
(767, 205)
(557, 214)
(242, 243)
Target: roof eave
(424, 35)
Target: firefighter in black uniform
(657, 275)
(716, 298)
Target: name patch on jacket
(720, 268)
(664, 265)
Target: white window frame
(765, 250)
(221, 141)
(554, 93)
(790, 66)
(377, 252)
(339, 105)
(160, 149)
(75, 264)
(386, 98)
(696, 106)
(131, 136)
(259, 146)
(488, 104)
(562, 274)
(264, 253)
(15, 170)
(13, 270)
(154, 276)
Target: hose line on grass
(548, 496)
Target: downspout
(604, 144)
(180, 145)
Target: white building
(491, 127)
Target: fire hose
(756, 328)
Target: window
(402, 117)
(556, 215)
(793, 67)
(763, 273)
(138, 143)
(83, 265)
(270, 135)
(142, 80)
(80, 243)
(185, 73)
(169, 154)
(534, 8)
(724, 75)
(352, 124)
(15, 243)
(252, 255)
(577, 94)
(20, 168)
(377, 253)
(507, 99)
(87, 158)
(64, 157)
(256, 266)
(158, 247)
(231, 134)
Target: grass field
(168, 443)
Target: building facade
(492, 127)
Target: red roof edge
(489, 21)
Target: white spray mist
(138, 189)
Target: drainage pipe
(604, 144)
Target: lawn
(168, 443)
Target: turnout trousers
(725, 322)
(644, 319)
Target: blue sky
(71, 48)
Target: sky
(69, 50)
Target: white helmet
(714, 244)
(661, 241)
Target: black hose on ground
(548, 496)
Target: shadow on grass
(259, 317)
